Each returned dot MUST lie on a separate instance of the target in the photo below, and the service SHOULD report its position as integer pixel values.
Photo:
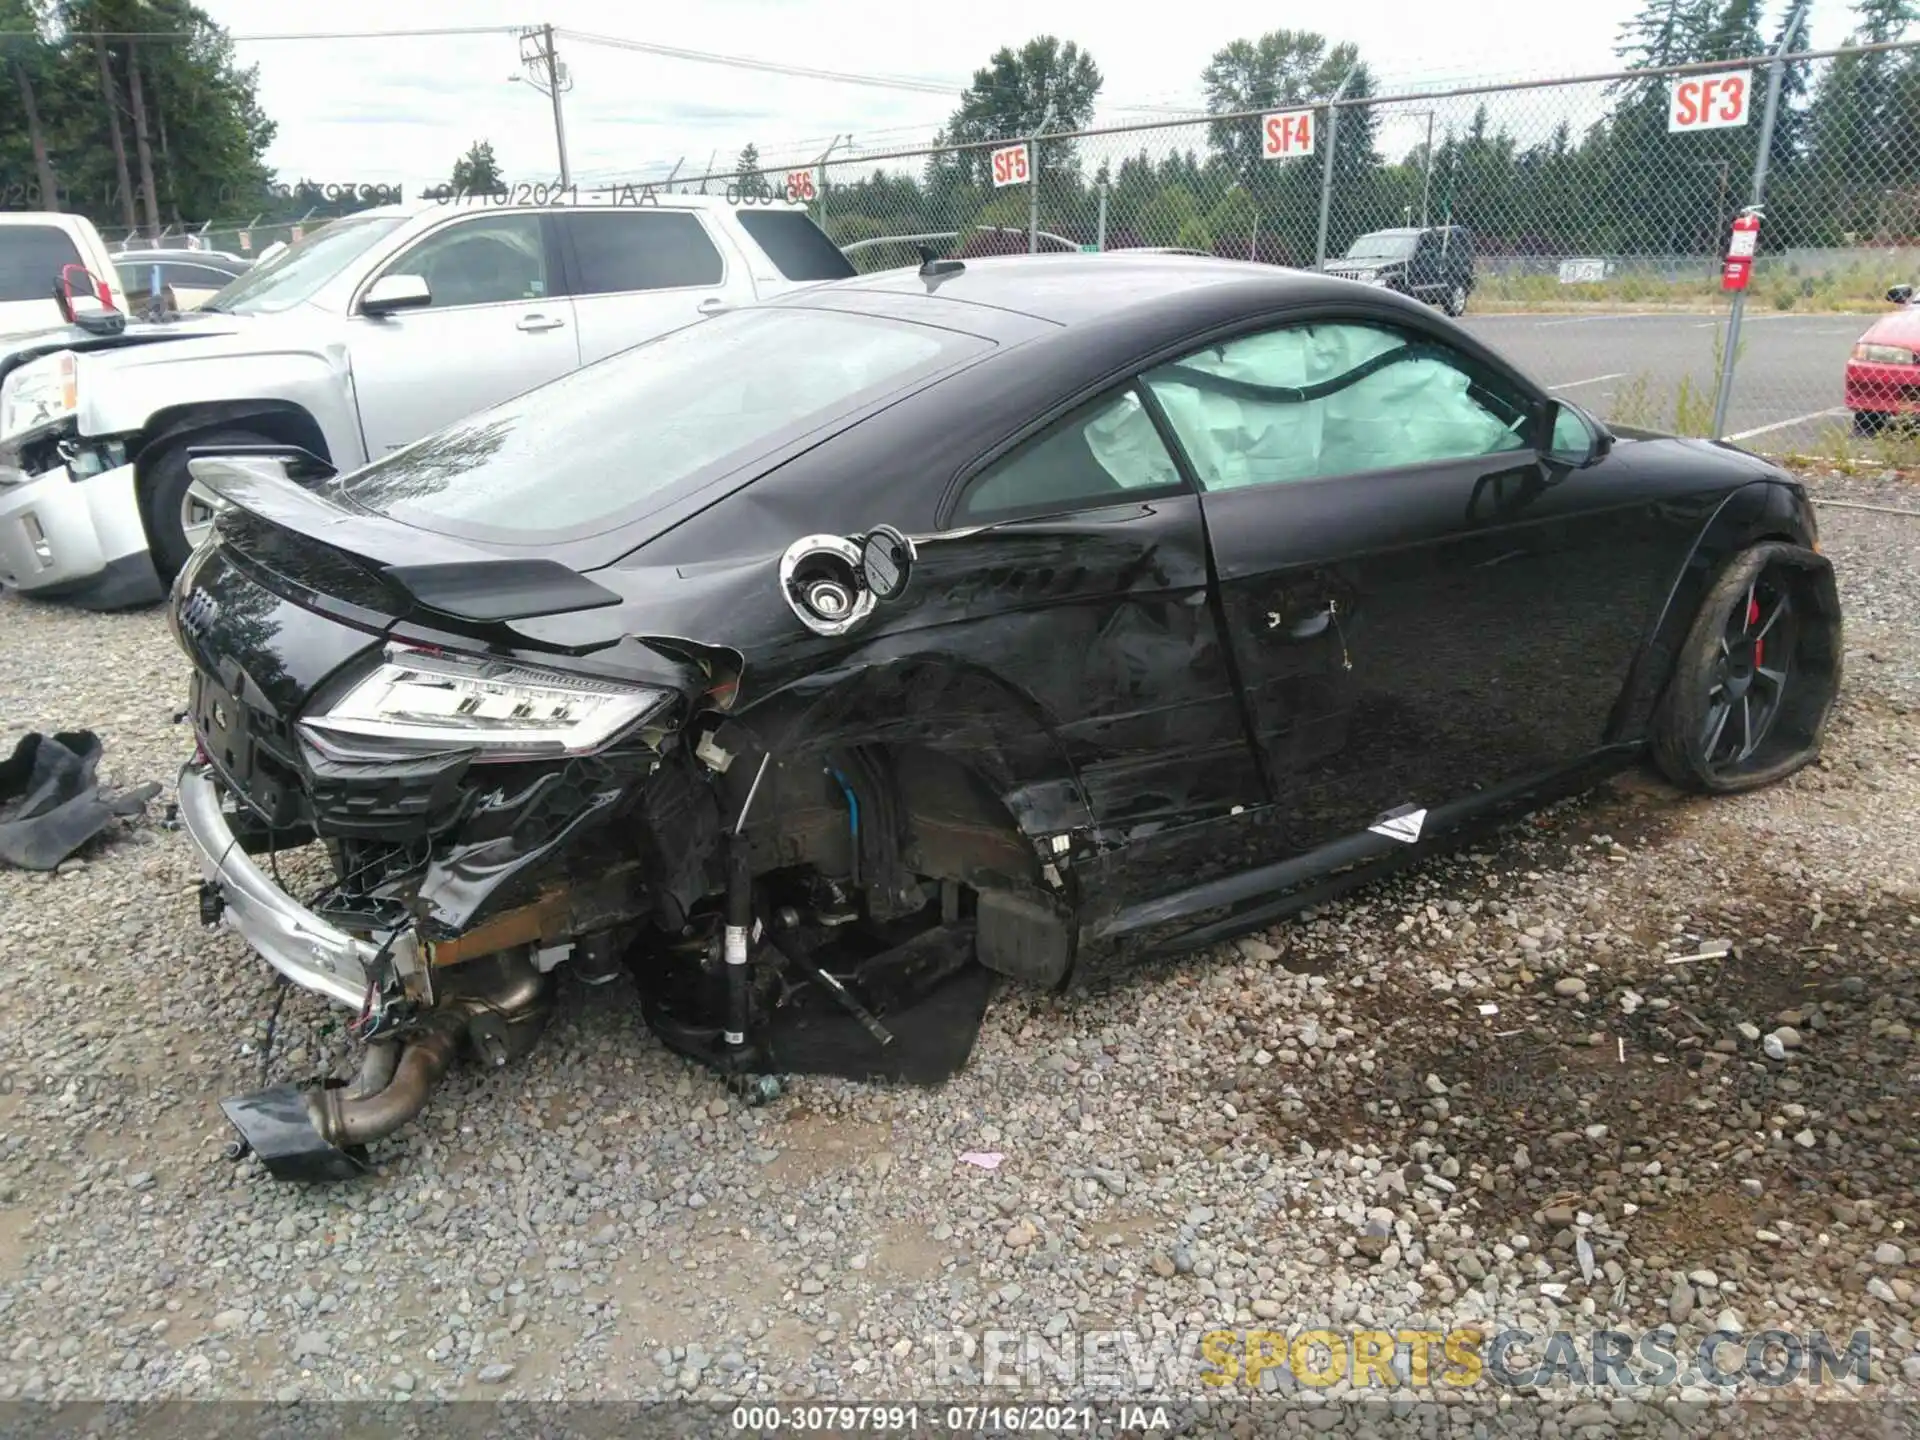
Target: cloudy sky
(401, 109)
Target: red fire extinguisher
(1740, 250)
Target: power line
(742, 62)
(280, 35)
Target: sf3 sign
(1709, 102)
(1010, 165)
(800, 188)
(1286, 133)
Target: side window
(1311, 401)
(31, 258)
(483, 261)
(799, 249)
(1098, 455)
(197, 277)
(616, 251)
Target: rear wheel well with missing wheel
(881, 891)
(893, 826)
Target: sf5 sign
(1286, 134)
(1009, 165)
(800, 189)
(1709, 102)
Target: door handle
(712, 305)
(533, 323)
(1312, 625)
(1305, 628)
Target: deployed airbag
(1321, 400)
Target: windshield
(1382, 247)
(297, 274)
(605, 444)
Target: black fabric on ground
(51, 804)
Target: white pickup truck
(372, 332)
(40, 248)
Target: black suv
(1434, 263)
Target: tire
(166, 490)
(1748, 700)
(1869, 422)
(1454, 302)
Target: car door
(640, 271)
(1087, 560)
(1420, 603)
(1424, 269)
(496, 325)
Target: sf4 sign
(1709, 102)
(800, 188)
(1286, 133)
(1010, 165)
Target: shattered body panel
(1075, 736)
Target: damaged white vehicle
(377, 329)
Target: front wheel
(1868, 422)
(1756, 678)
(1455, 301)
(177, 509)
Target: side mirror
(395, 292)
(1900, 295)
(80, 298)
(1574, 438)
(93, 316)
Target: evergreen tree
(477, 172)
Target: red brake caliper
(1759, 646)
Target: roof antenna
(932, 266)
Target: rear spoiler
(438, 572)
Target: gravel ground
(1646, 1061)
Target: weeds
(1685, 410)
(1857, 286)
(1841, 447)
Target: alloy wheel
(198, 509)
(1749, 677)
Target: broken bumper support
(298, 943)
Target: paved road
(1786, 386)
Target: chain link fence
(1597, 213)
(242, 238)
(1588, 220)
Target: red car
(1883, 373)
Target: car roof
(215, 258)
(636, 195)
(1080, 289)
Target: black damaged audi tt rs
(819, 664)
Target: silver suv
(368, 334)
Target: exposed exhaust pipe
(315, 1134)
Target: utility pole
(1033, 191)
(549, 76)
(1426, 184)
(1326, 174)
(1723, 396)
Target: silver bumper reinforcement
(299, 944)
